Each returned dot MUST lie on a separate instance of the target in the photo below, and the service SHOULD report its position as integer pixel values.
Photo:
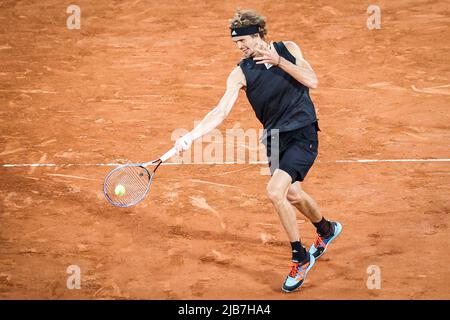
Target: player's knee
(275, 194)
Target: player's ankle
(299, 253)
(324, 228)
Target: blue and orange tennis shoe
(297, 275)
(320, 245)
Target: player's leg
(277, 190)
(304, 202)
(327, 230)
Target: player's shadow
(261, 275)
(221, 235)
(267, 276)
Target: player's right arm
(235, 82)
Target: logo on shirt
(234, 33)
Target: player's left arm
(300, 71)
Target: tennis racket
(128, 184)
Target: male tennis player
(276, 79)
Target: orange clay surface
(116, 89)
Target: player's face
(246, 44)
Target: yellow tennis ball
(120, 190)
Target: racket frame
(157, 162)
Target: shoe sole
(332, 238)
(311, 264)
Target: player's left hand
(267, 56)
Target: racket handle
(169, 154)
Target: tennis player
(276, 79)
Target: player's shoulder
(293, 48)
(236, 76)
(236, 72)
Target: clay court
(115, 90)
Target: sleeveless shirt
(278, 100)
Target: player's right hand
(183, 144)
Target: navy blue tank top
(279, 101)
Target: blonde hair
(249, 17)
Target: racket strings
(127, 185)
(134, 182)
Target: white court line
(217, 163)
(391, 160)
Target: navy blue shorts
(298, 150)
